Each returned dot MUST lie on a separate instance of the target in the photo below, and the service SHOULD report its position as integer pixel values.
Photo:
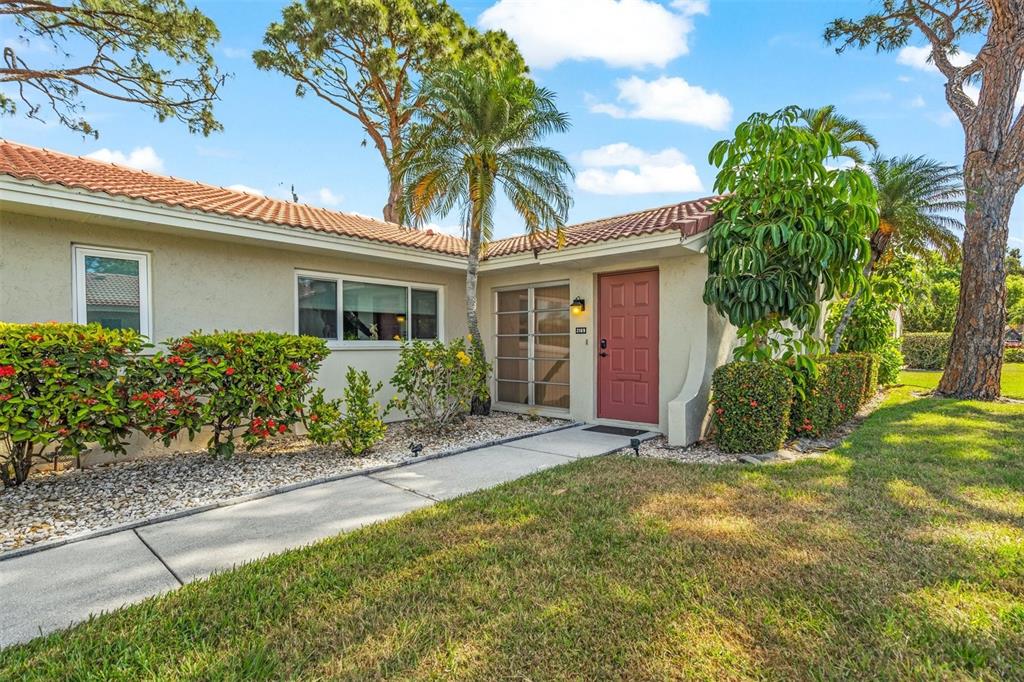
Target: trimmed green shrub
(870, 376)
(1013, 355)
(436, 382)
(832, 397)
(62, 388)
(355, 422)
(890, 363)
(250, 385)
(751, 406)
(926, 350)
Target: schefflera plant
(242, 386)
(63, 388)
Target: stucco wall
(199, 283)
(683, 321)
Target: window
(112, 288)
(532, 345)
(363, 312)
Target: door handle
(603, 354)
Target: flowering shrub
(355, 423)
(249, 385)
(832, 397)
(61, 388)
(926, 350)
(436, 382)
(751, 406)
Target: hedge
(1013, 355)
(833, 396)
(926, 350)
(873, 361)
(751, 406)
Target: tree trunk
(844, 322)
(480, 406)
(975, 360)
(391, 212)
(879, 242)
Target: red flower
(175, 360)
(7, 371)
(315, 417)
(279, 388)
(718, 411)
(753, 403)
(49, 362)
(159, 395)
(282, 428)
(4, 396)
(103, 363)
(34, 337)
(295, 367)
(229, 371)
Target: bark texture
(479, 407)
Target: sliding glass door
(532, 345)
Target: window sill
(368, 345)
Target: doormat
(615, 430)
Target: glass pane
(112, 295)
(513, 323)
(517, 370)
(556, 371)
(551, 346)
(553, 322)
(509, 392)
(513, 346)
(551, 297)
(424, 314)
(511, 301)
(318, 308)
(552, 395)
(373, 312)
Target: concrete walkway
(54, 588)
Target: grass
(898, 555)
(1013, 380)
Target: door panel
(627, 369)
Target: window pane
(318, 308)
(552, 395)
(374, 312)
(510, 301)
(553, 322)
(551, 297)
(112, 293)
(551, 371)
(556, 347)
(513, 323)
(424, 314)
(509, 392)
(517, 370)
(513, 346)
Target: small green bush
(890, 363)
(249, 385)
(1013, 355)
(355, 422)
(751, 406)
(832, 397)
(62, 387)
(436, 382)
(872, 361)
(926, 350)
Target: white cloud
(454, 230)
(327, 198)
(919, 58)
(916, 103)
(235, 52)
(247, 189)
(667, 99)
(904, 79)
(633, 33)
(974, 92)
(621, 168)
(142, 158)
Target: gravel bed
(705, 451)
(55, 505)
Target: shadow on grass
(897, 555)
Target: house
(610, 328)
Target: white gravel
(54, 505)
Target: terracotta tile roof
(49, 167)
(687, 217)
(32, 163)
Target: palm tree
(852, 134)
(480, 134)
(918, 199)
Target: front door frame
(597, 348)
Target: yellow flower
(430, 364)
(463, 358)
(469, 337)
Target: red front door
(627, 335)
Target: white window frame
(531, 342)
(339, 280)
(145, 277)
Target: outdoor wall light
(578, 305)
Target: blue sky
(649, 87)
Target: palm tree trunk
(844, 321)
(480, 406)
(391, 212)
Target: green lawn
(1013, 380)
(899, 555)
